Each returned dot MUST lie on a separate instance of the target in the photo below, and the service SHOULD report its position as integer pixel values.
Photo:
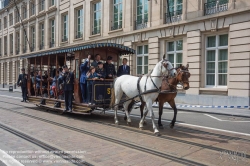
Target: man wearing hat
(110, 68)
(84, 68)
(68, 79)
(22, 81)
(100, 70)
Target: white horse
(128, 84)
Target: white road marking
(173, 112)
(225, 120)
(11, 97)
(9, 160)
(186, 124)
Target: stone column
(13, 72)
(37, 36)
(153, 52)
(46, 32)
(8, 73)
(194, 60)
(1, 79)
(239, 63)
(21, 35)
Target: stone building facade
(212, 36)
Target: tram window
(77, 68)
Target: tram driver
(110, 68)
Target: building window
(42, 36)
(174, 52)
(32, 6)
(33, 41)
(97, 18)
(41, 5)
(174, 11)
(79, 27)
(17, 43)
(216, 60)
(17, 17)
(52, 2)
(11, 44)
(117, 18)
(52, 41)
(215, 6)
(141, 14)
(11, 19)
(5, 22)
(24, 12)
(65, 28)
(142, 59)
(24, 41)
(5, 45)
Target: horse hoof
(129, 123)
(171, 125)
(160, 126)
(125, 118)
(141, 128)
(157, 134)
(145, 122)
(116, 123)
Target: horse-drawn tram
(45, 89)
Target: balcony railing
(79, 35)
(115, 27)
(17, 51)
(24, 50)
(96, 31)
(174, 16)
(41, 46)
(64, 39)
(11, 51)
(5, 53)
(51, 44)
(141, 24)
(215, 7)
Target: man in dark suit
(97, 59)
(123, 69)
(22, 81)
(68, 79)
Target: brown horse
(168, 93)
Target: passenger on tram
(83, 83)
(38, 81)
(92, 75)
(55, 83)
(101, 71)
(97, 59)
(124, 69)
(68, 79)
(110, 68)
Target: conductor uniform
(22, 81)
(110, 69)
(68, 79)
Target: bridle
(181, 82)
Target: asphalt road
(223, 123)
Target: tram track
(217, 149)
(45, 146)
(113, 140)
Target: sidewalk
(220, 110)
(14, 90)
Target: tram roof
(121, 48)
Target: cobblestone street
(93, 134)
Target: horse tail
(112, 101)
